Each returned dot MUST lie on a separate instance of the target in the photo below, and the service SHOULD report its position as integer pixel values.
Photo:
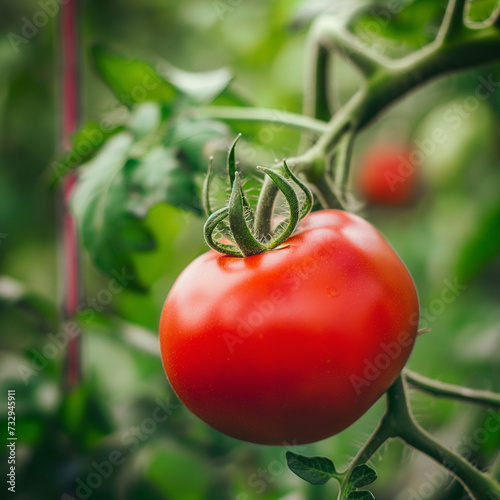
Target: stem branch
(483, 398)
(480, 486)
(262, 115)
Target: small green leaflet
(362, 475)
(315, 470)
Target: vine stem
(398, 422)
(70, 113)
(484, 398)
(456, 48)
(262, 115)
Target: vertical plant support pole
(70, 116)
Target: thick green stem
(480, 486)
(442, 389)
(453, 22)
(328, 198)
(392, 82)
(398, 422)
(388, 81)
(316, 98)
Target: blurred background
(121, 433)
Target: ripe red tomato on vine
(291, 345)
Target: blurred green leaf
(145, 119)
(395, 29)
(200, 87)
(481, 248)
(132, 80)
(314, 470)
(14, 294)
(115, 193)
(84, 414)
(307, 10)
(197, 140)
(481, 10)
(108, 230)
(85, 143)
(172, 468)
(159, 177)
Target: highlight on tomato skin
(389, 175)
(292, 345)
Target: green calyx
(236, 222)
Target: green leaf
(132, 80)
(361, 495)
(315, 470)
(115, 193)
(36, 308)
(107, 228)
(481, 10)
(145, 119)
(482, 247)
(362, 475)
(159, 177)
(200, 87)
(395, 30)
(193, 138)
(85, 143)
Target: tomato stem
(399, 422)
(484, 398)
(479, 485)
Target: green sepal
(206, 188)
(208, 231)
(308, 201)
(242, 234)
(293, 202)
(231, 161)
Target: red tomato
(388, 176)
(291, 346)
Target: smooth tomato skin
(277, 348)
(388, 176)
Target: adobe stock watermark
(466, 447)
(260, 480)
(391, 351)
(30, 27)
(131, 440)
(57, 343)
(453, 118)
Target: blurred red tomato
(388, 175)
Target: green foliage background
(137, 206)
